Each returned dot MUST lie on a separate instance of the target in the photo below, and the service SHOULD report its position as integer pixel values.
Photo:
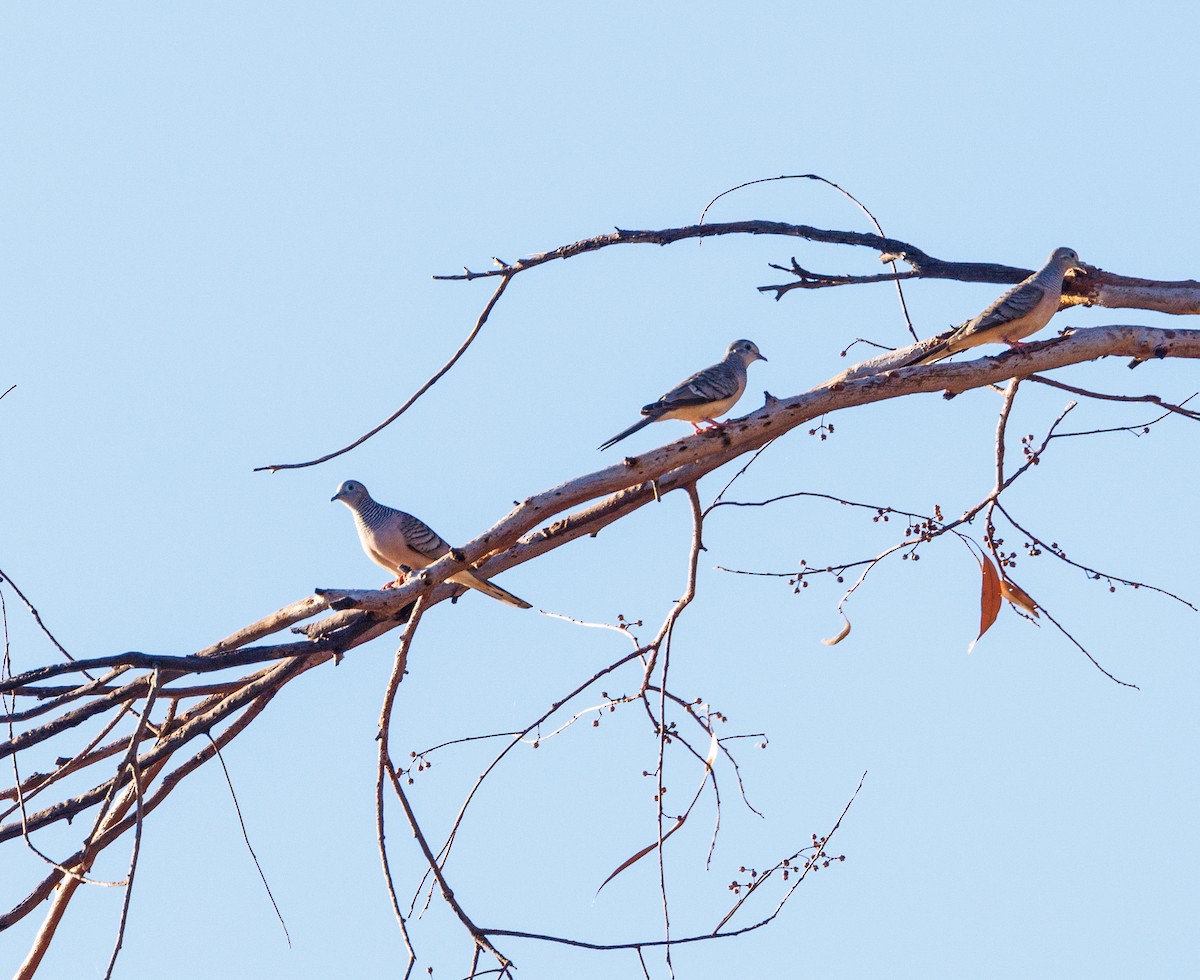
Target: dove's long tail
(470, 579)
(935, 353)
(628, 432)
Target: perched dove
(1022, 311)
(398, 541)
(704, 395)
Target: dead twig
(437, 376)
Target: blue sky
(219, 227)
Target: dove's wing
(714, 384)
(1019, 302)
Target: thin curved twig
(37, 617)
(1171, 409)
(437, 376)
(1093, 573)
(136, 779)
(237, 807)
(384, 763)
(862, 207)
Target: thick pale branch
(639, 480)
(1100, 288)
(631, 482)
(1078, 345)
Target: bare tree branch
(1096, 288)
(437, 376)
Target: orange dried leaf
(989, 599)
(1018, 597)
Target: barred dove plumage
(703, 396)
(1020, 312)
(398, 541)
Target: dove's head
(1066, 258)
(351, 493)
(747, 350)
